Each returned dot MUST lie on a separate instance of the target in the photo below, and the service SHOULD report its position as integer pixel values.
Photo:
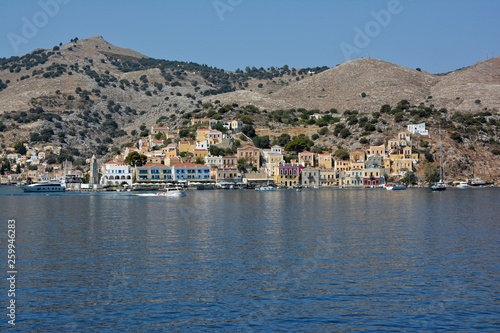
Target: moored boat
(477, 182)
(44, 186)
(265, 188)
(439, 186)
(395, 187)
(463, 185)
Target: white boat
(395, 187)
(463, 185)
(172, 192)
(477, 182)
(44, 186)
(439, 186)
(265, 188)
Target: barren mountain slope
(380, 82)
(344, 86)
(462, 88)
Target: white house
(418, 129)
(115, 173)
(214, 161)
(202, 145)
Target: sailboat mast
(440, 155)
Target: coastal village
(163, 157)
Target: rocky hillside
(365, 84)
(93, 97)
(97, 91)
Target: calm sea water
(226, 261)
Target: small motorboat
(172, 192)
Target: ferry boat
(172, 192)
(44, 186)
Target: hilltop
(365, 84)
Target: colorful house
(357, 156)
(341, 165)
(325, 161)
(288, 175)
(186, 147)
(310, 177)
(376, 150)
(354, 177)
(328, 177)
(228, 175)
(251, 154)
(371, 177)
(200, 153)
(229, 161)
(155, 172)
(159, 129)
(202, 134)
(306, 159)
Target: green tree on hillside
(409, 178)
(249, 131)
(136, 159)
(20, 148)
(261, 142)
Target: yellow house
(186, 147)
(377, 150)
(392, 145)
(288, 175)
(202, 134)
(325, 161)
(159, 129)
(327, 177)
(398, 166)
(200, 153)
(155, 159)
(402, 160)
(354, 177)
(341, 165)
(171, 160)
(170, 150)
(357, 165)
(272, 161)
(357, 156)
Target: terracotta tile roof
(180, 165)
(249, 147)
(154, 165)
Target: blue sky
(437, 36)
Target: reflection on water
(324, 260)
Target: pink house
(306, 159)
